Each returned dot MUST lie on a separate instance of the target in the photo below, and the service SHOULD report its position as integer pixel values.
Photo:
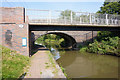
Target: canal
(87, 65)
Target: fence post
(80, 20)
(116, 21)
(25, 14)
(50, 16)
(26, 18)
(94, 19)
(90, 18)
(71, 17)
(107, 19)
(65, 19)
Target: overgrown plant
(105, 44)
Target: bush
(83, 48)
(93, 47)
(107, 46)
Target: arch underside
(70, 42)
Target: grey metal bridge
(57, 17)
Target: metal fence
(70, 17)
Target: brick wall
(80, 37)
(12, 32)
(12, 15)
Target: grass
(46, 63)
(13, 64)
(51, 59)
(63, 70)
(52, 62)
(47, 66)
(54, 65)
(40, 72)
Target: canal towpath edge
(43, 65)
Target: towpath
(44, 66)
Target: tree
(110, 8)
(107, 41)
(50, 40)
(67, 14)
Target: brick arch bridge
(73, 38)
(16, 27)
(69, 40)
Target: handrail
(55, 16)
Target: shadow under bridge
(69, 41)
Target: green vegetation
(47, 66)
(106, 43)
(13, 64)
(40, 72)
(52, 62)
(51, 59)
(63, 70)
(50, 40)
(83, 48)
(110, 7)
(67, 14)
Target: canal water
(87, 65)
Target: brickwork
(14, 27)
(12, 32)
(12, 15)
(79, 36)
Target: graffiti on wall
(8, 37)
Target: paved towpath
(41, 66)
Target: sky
(54, 0)
(76, 5)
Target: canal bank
(43, 65)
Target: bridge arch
(70, 42)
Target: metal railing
(74, 18)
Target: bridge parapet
(72, 18)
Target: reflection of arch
(67, 59)
(69, 40)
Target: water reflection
(55, 53)
(86, 65)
